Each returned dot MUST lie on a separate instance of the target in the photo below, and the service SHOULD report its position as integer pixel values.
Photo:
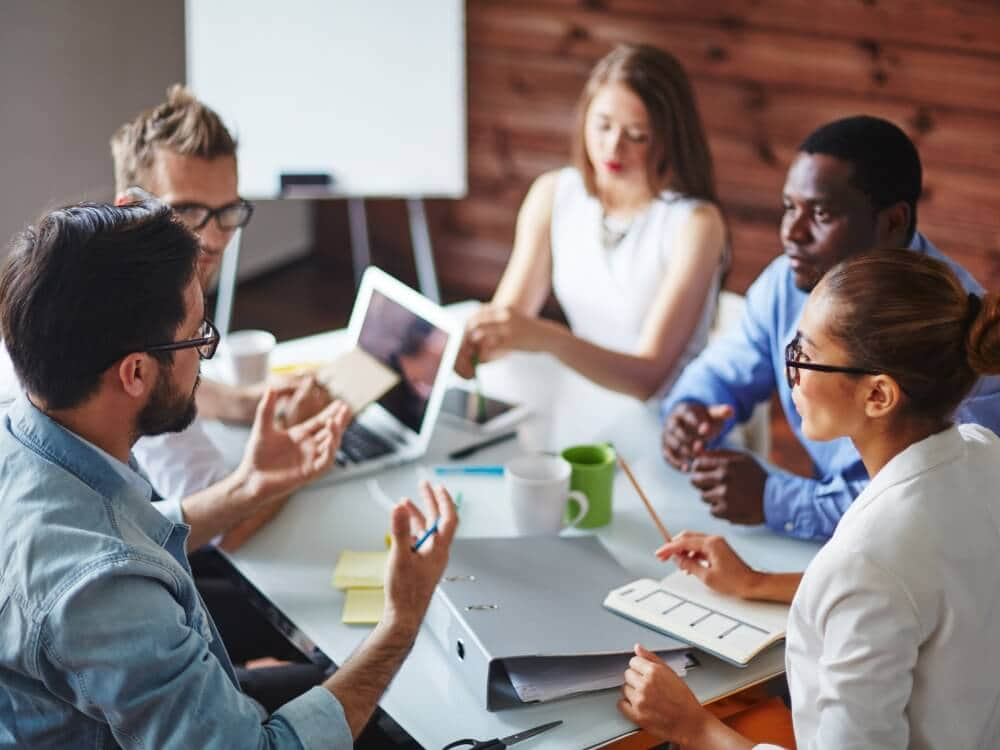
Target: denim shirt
(106, 642)
(746, 365)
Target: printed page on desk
(681, 606)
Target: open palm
(279, 461)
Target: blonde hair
(678, 155)
(906, 314)
(181, 124)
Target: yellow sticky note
(363, 606)
(296, 367)
(360, 570)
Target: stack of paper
(362, 576)
(547, 678)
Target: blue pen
(493, 471)
(434, 526)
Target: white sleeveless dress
(606, 293)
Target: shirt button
(789, 526)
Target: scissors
(497, 743)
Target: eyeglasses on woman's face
(794, 363)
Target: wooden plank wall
(766, 72)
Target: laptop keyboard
(361, 444)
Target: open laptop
(419, 341)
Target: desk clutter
(511, 613)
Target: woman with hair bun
(630, 238)
(894, 631)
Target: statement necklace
(613, 231)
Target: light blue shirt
(744, 367)
(105, 639)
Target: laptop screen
(409, 345)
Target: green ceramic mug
(593, 475)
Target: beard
(168, 410)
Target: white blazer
(894, 634)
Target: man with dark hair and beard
(106, 641)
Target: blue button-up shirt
(105, 640)
(744, 367)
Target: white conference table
(291, 560)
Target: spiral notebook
(681, 606)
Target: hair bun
(982, 341)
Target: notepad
(360, 570)
(681, 606)
(363, 606)
(357, 378)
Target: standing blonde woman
(629, 238)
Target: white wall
(375, 90)
(70, 73)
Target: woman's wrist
(773, 587)
(757, 586)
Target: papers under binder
(547, 679)
(682, 607)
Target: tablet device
(480, 413)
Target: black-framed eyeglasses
(206, 342)
(794, 363)
(196, 216)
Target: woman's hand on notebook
(711, 559)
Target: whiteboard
(370, 92)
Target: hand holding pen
(413, 573)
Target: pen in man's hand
(427, 535)
(434, 527)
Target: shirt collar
(127, 471)
(104, 474)
(940, 448)
(919, 243)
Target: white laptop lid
(413, 336)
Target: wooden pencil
(649, 506)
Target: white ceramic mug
(538, 492)
(246, 356)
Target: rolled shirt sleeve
(735, 369)
(810, 508)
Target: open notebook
(681, 606)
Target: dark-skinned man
(852, 188)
